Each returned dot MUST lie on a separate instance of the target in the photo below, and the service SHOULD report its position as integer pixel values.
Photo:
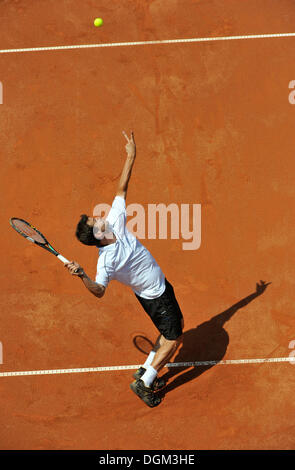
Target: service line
(172, 364)
(146, 43)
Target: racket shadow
(207, 342)
(143, 344)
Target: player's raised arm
(127, 169)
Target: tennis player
(124, 258)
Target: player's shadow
(206, 342)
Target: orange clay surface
(213, 126)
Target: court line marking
(144, 43)
(172, 364)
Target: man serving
(123, 258)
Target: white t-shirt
(127, 260)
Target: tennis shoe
(145, 393)
(157, 384)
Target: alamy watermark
(292, 353)
(292, 94)
(1, 353)
(184, 222)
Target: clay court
(214, 125)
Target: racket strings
(28, 231)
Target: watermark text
(163, 222)
(292, 94)
(292, 353)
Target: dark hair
(84, 232)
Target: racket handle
(62, 259)
(65, 260)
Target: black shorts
(164, 312)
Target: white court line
(143, 43)
(172, 364)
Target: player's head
(84, 231)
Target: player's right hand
(74, 268)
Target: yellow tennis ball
(98, 22)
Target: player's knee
(177, 341)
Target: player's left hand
(130, 146)
(74, 268)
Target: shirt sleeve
(119, 204)
(117, 215)
(103, 273)
(102, 277)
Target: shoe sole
(134, 389)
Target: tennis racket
(30, 232)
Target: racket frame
(46, 245)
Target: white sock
(149, 359)
(149, 376)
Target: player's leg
(139, 373)
(166, 350)
(166, 315)
(157, 383)
(152, 353)
(161, 342)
